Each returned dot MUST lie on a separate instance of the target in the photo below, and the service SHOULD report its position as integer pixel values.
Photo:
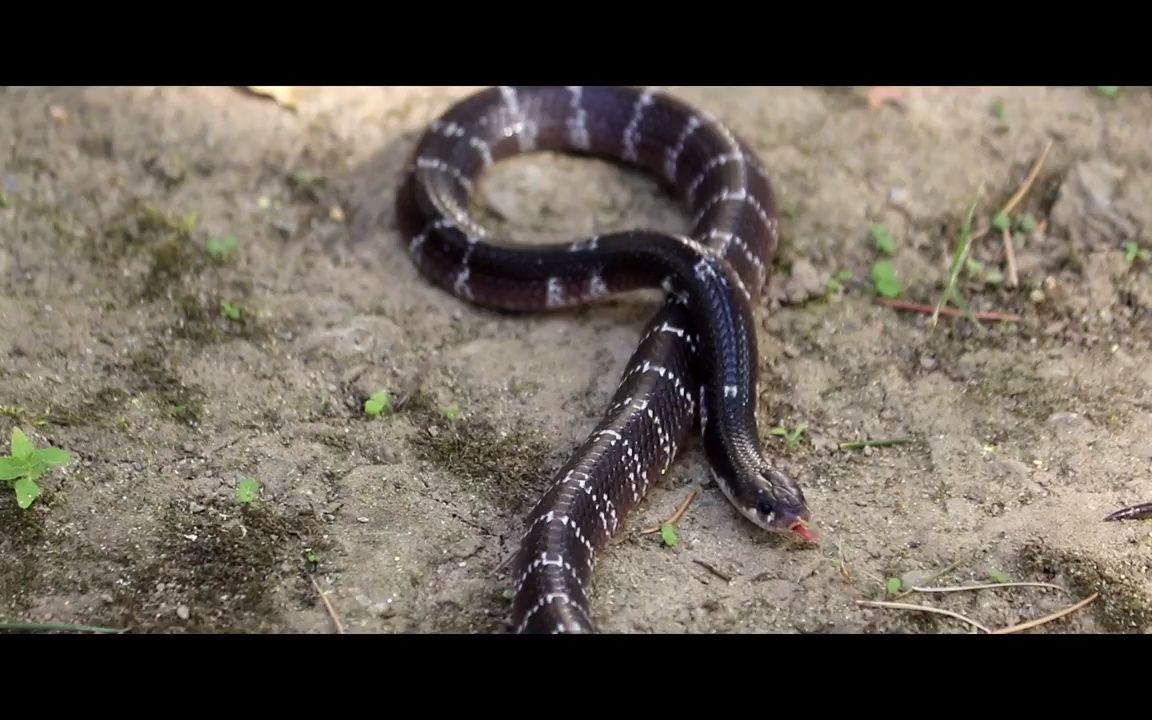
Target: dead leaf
(879, 95)
(284, 95)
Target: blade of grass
(875, 443)
(61, 627)
(959, 258)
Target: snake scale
(695, 368)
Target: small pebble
(362, 519)
(183, 612)
(928, 363)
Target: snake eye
(766, 507)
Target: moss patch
(216, 570)
(153, 375)
(21, 536)
(504, 465)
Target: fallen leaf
(879, 95)
(284, 95)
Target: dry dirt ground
(173, 363)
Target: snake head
(781, 507)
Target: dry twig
(1047, 618)
(676, 516)
(949, 312)
(1028, 181)
(328, 605)
(985, 586)
(1022, 191)
(1010, 258)
(712, 569)
(922, 608)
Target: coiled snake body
(697, 358)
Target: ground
(201, 286)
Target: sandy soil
(117, 347)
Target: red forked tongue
(802, 530)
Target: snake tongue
(802, 530)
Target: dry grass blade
(936, 576)
(959, 258)
(1018, 196)
(328, 605)
(58, 627)
(1010, 259)
(1028, 181)
(985, 586)
(1047, 618)
(284, 95)
(676, 516)
(947, 311)
(922, 608)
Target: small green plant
(1108, 90)
(997, 576)
(894, 585)
(452, 413)
(668, 534)
(1132, 250)
(977, 269)
(836, 282)
(24, 466)
(230, 311)
(219, 248)
(885, 279)
(997, 110)
(247, 490)
(885, 243)
(793, 438)
(376, 404)
(1025, 223)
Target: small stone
(361, 519)
(928, 362)
(183, 612)
(195, 507)
(285, 226)
(805, 282)
(1036, 296)
(106, 598)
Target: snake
(694, 370)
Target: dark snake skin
(697, 358)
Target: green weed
(24, 466)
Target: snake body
(697, 359)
